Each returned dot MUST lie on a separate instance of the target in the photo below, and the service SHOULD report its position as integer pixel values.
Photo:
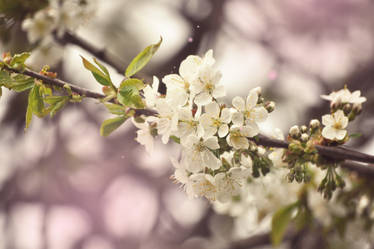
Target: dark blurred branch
(101, 54)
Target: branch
(58, 82)
(101, 54)
(336, 152)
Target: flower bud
(303, 128)
(295, 132)
(270, 106)
(357, 108)
(304, 137)
(314, 124)
(347, 108)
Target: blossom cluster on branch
(220, 157)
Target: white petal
(238, 118)
(328, 120)
(251, 100)
(260, 114)
(189, 68)
(210, 160)
(212, 109)
(238, 103)
(328, 132)
(250, 129)
(340, 134)
(203, 98)
(223, 130)
(173, 80)
(226, 115)
(212, 143)
(219, 91)
(208, 58)
(239, 142)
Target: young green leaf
(115, 109)
(129, 93)
(109, 125)
(28, 117)
(142, 59)
(20, 84)
(18, 60)
(280, 221)
(102, 77)
(56, 103)
(36, 101)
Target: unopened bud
(270, 106)
(347, 108)
(295, 131)
(303, 128)
(357, 108)
(304, 137)
(314, 124)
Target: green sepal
(110, 125)
(115, 109)
(142, 59)
(280, 221)
(102, 77)
(175, 139)
(128, 94)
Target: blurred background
(62, 186)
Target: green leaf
(21, 83)
(139, 84)
(109, 125)
(19, 59)
(28, 117)
(142, 59)
(129, 93)
(36, 101)
(56, 103)
(280, 221)
(115, 109)
(1, 91)
(101, 77)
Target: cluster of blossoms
(345, 106)
(217, 153)
(59, 16)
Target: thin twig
(336, 152)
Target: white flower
(345, 96)
(38, 27)
(214, 119)
(335, 126)
(167, 119)
(151, 93)
(188, 124)
(276, 155)
(248, 112)
(237, 137)
(229, 184)
(144, 136)
(201, 184)
(198, 154)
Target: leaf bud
(357, 108)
